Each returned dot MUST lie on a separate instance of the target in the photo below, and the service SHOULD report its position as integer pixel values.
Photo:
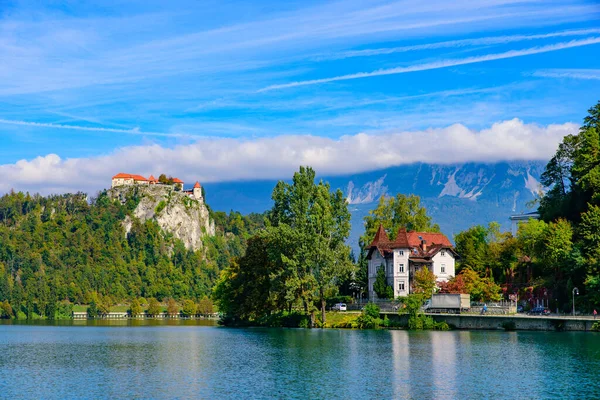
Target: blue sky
(241, 90)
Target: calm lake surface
(191, 359)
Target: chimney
(424, 244)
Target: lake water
(188, 360)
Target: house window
(401, 286)
(443, 253)
(443, 269)
(401, 252)
(401, 268)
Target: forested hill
(69, 248)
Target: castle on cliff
(123, 179)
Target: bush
(161, 206)
(596, 326)
(64, 310)
(369, 318)
(365, 321)
(372, 310)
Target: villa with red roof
(406, 254)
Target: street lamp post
(575, 292)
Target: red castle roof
(177, 180)
(197, 185)
(122, 175)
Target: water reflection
(156, 361)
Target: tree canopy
(298, 260)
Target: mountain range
(457, 196)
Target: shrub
(372, 310)
(161, 206)
(596, 326)
(369, 318)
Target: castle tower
(197, 192)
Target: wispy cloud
(485, 41)
(441, 64)
(220, 159)
(133, 131)
(589, 74)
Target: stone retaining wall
(525, 323)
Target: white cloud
(588, 74)
(484, 41)
(133, 131)
(218, 159)
(441, 64)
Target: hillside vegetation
(68, 249)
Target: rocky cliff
(185, 218)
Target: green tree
(92, 310)
(135, 308)
(394, 213)
(558, 244)
(205, 306)
(172, 307)
(381, 287)
(189, 308)
(5, 310)
(319, 223)
(154, 307)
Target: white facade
(443, 265)
(397, 268)
(127, 181)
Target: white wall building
(406, 254)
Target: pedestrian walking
(595, 313)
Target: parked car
(539, 311)
(339, 307)
(520, 309)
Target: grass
(340, 319)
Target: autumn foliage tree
(424, 282)
(469, 281)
